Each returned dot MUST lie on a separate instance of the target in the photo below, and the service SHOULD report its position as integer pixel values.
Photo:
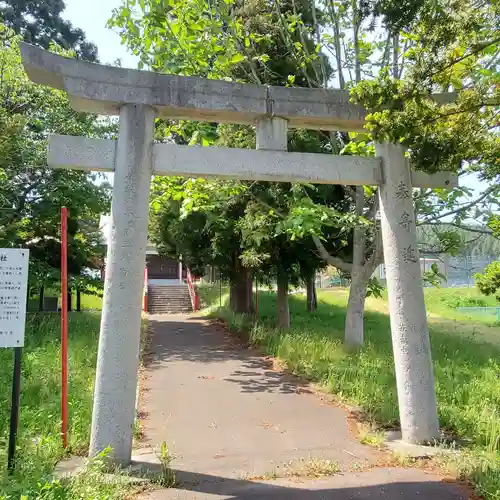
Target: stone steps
(169, 299)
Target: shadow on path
(388, 484)
(197, 341)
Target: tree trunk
(395, 57)
(354, 324)
(78, 300)
(41, 298)
(354, 330)
(70, 300)
(240, 290)
(312, 299)
(282, 303)
(338, 49)
(357, 49)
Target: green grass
(441, 311)
(89, 302)
(466, 362)
(39, 441)
(444, 302)
(211, 295)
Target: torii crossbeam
(83, 153)
(138, 97)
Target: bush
(454, 301)
(489, 281)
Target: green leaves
(358, 148)
(433, 277)
(375, 288)
(494, 225)
(306, 219)
(237, 58)
(188, 37)
(449, 240)
(254, 42)
(451, 46)
(489, 281)
(30, 194)
(285, 44)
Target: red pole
(64, 324)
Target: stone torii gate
(138, 97)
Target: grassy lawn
(89, 302)
(466, 353)
(39, 441)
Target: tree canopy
(489, 281)
(239, 236)
(39, 22)
(393, 57)
(31, 195)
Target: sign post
(13, 293)
(14, 409)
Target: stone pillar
(272, 134)
(410, 335)
(118, 357)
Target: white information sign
(13, 292)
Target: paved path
(228, 418)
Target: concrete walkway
(229, 418)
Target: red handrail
(195, 300)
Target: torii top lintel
(103, 89)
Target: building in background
(161, 270)
(166, 290)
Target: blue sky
(91, 16)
